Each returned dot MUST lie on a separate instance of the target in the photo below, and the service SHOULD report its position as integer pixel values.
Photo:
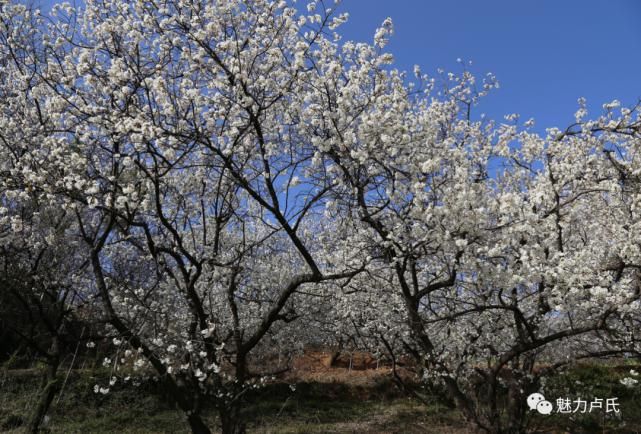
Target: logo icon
(537, 402)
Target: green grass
(311, 408)
(587, 382)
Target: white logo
(537, 402)
(544, 407)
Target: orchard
(198, 186)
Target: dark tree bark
(197, 424)
(50, 387)
(230, 420)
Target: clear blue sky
(545, 53)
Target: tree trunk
(197, 425)
(230, 420)
(516, 410)
(50, 386)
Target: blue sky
(545, 53)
